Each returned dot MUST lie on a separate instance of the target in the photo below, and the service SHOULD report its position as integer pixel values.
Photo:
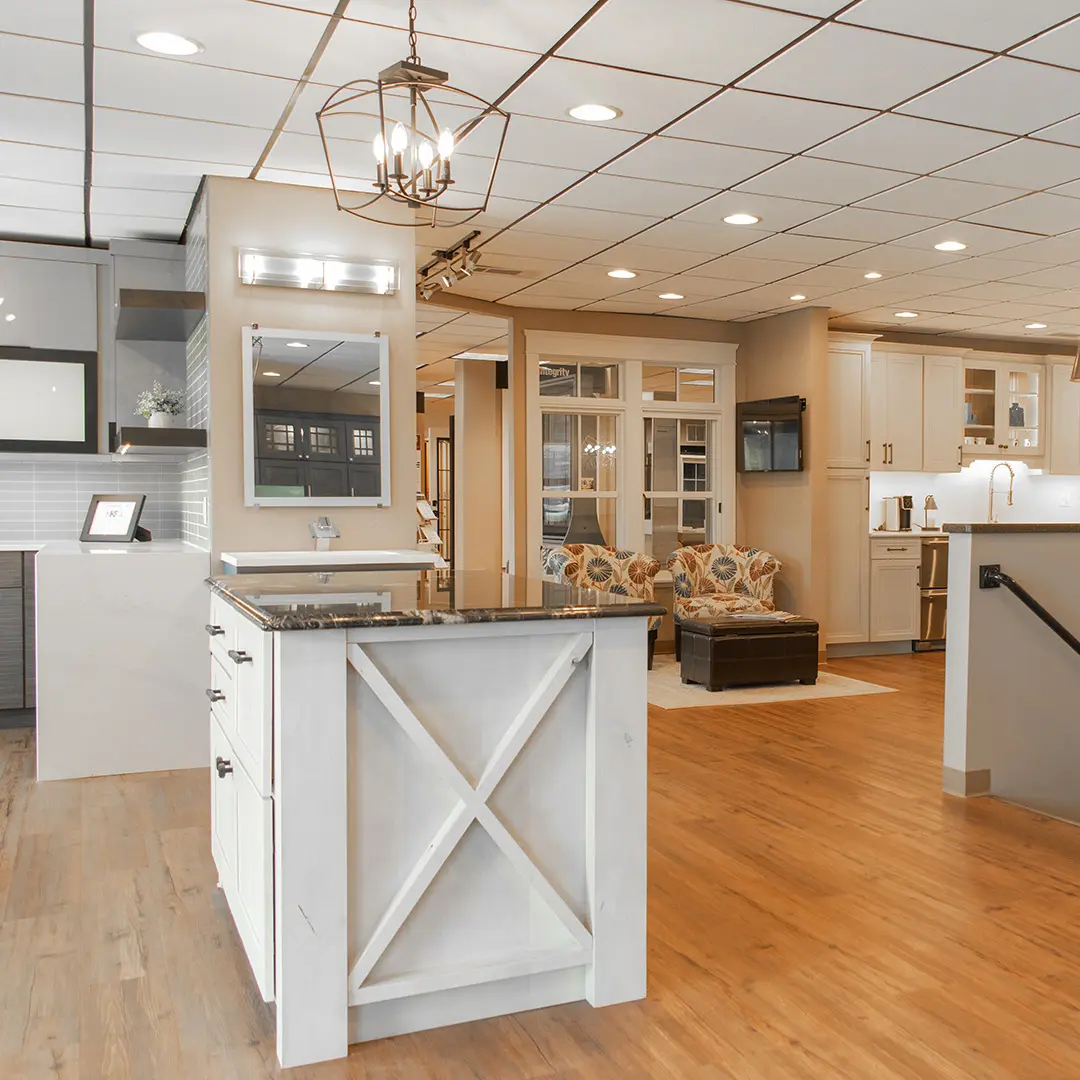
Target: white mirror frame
(249, 334)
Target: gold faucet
(1012, 476)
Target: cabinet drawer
(222, 694)
(910, 550)
(242, 839)
(11, 569)
(221, 629)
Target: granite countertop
(1014, 527)
(373, 598)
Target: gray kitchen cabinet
(17, 688)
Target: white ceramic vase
(164, 420)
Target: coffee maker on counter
(898, 513)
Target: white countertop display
(22, 545)
(77, 549)
(262, 562)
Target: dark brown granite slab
(1014, 527)
(367, 598)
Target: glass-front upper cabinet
(1003, 408)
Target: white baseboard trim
(867, 648)
(963, 784)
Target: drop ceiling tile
(701, 164)
(35, 120)
(39, 68)
(139, 228)
(711, 40)
(512, 244)
(125, 202)
(311, 99)
(824, 181)
(18, 222)
(624, 194)
(27, 162)
(362, 50)
(689, 235)
(156, 174)
(935, 196)
(528, 183)
(627, 307)
(291, 176)
(751, 271)
(561, 219)
(304, 153)
(892, 141)
(830, 276)
(38, 195)
(1060, 46)
(60, 20)
(325, 7)
(564, 144)
(647, 102)
(890, 260)
(121, 132)
(697, 287)
(1054, 250)
(1053, 277)
(806, 7)
(804, 249)
(1026, 163)
(871, 226)
(1049, 214)
(851, 66)
(531, 299)
(879, 294)
(989, 97)
(1018, 329)
(776, 214)
(652, 296)
(1072, 190)
(174, 88)
(237, 34)
(1068, 132)
(930, 283)
(1000, 291)
(642, 257)
(767, 121)
(1030, 311)
(778, 296)
(980, 239)
(994, 25)
(952, 323)
(1063, 298)
(713, 309)
(986, 268)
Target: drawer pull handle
(213, 630)
(215, 695)
(238, 656)
(896, 549)
(224, 767)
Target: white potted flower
(161, 406)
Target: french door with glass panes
(580, 477)
(682, 482)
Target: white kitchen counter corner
(277, 562)
(120, 646)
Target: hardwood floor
(818, 909)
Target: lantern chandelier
(413, 122)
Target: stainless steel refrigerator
(934, 590)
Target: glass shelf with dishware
(1002, 409)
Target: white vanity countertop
(318, 560)
(132, 550)
(22, 545)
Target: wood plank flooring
(818, 909)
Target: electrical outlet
(206, 510)
(1065, 499)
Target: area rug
(667, 691)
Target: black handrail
(993, 577)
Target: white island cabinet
(428, 797)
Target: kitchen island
(428, 796)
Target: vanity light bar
(316, 272)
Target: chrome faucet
(1012, 476)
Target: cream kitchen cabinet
(1064, 421)
(849, 556)
(894, 589)
(849, 421)
(1003, 408)
(943, 405)
(896, 412)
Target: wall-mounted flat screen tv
(770, 435)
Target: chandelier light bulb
(378, 147)
(426, 155)
(399, 139)
(446, 143)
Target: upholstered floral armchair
(719, 579)
(606, 569)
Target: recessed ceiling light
(160, 41)
(594, 114)
(872, 276)
(797, 296)
(9, 318)
(672, 296)
(1, 299)
(621, 273)
(907, 314)
(950, 245)
(295, 345)
(272, 374)
(374, 382)
(1035, 326)
(742, 219)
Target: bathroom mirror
(316, 418)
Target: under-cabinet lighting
(316, 272)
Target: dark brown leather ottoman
(721, 651)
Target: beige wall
(785, 513)
(247, 213)
(477, 467)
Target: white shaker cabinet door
(849, 435)
(1065, 423)
(894, 600)
(943, 413)
(879, 412)
(849, 556)
(904, 387)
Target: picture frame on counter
(113, 519)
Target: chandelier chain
(412, 33)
